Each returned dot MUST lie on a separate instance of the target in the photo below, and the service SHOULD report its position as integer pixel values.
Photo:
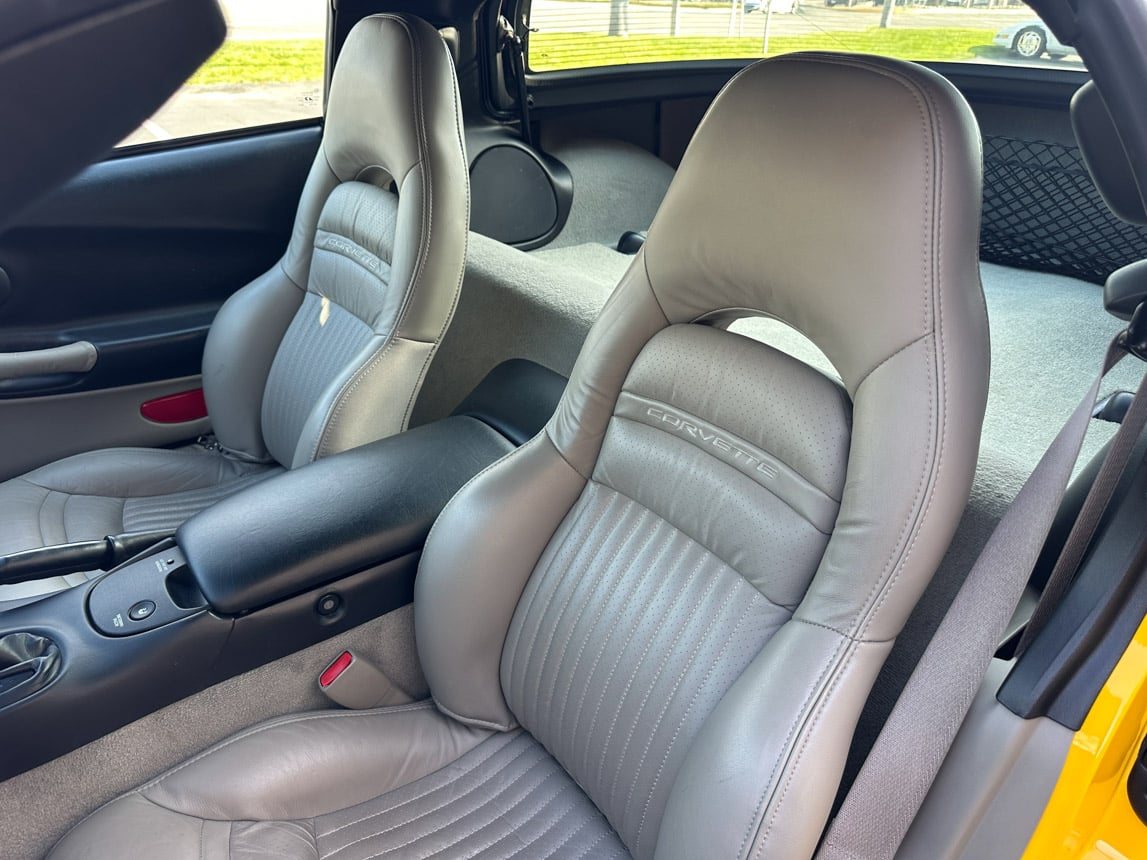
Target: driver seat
(649, 631)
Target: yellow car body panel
(1089, 816)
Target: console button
(141, 610)
(328, 604)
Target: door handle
(78, 357)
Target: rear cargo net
(1043, 212)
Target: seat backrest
(685, 586)
(328, 349)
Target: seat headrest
(834, 192)
(382, 115)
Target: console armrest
(332, 517)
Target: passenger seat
(327, 350)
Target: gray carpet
(617, 187)
(513, 305)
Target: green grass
(553, 51)
(258, 61)
(285, 61)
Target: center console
(272, 569)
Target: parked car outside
(1030, 40)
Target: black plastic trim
(329, 518)
(489, 204)
(1011, 85)
(1068, 662)
(107, 682)
(516, 398)
(240, 133)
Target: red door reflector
(176, 408)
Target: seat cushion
(410, 782)
(112, 491)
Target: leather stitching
(754, 823)
(601, 615)
(326, 715)
(525, 605)
(569, 836)
(586, 557)
(931, 464)
(670, 651)
(634, 626)
(683, 533)
(465, 244)
(414, 283)
(815, 717)
(913, 518)
(493, 799)
(939, 364)
(441, 779)
(451, 801)
(934, 458)
(590, 847)
(684, 714)
(500, 817)
(640, 660)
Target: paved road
(275, 19)
(202, 109)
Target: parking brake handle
(104, 554)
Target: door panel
(135, 256)
(39, 430)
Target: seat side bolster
(478, 557)
(747, 790)
(237, 358)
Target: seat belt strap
(1089, 516)
(914, 741)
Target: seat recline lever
(103, 554)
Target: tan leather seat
(328, 349)
(649, 631)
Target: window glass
(269, 70)
(572, 34)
